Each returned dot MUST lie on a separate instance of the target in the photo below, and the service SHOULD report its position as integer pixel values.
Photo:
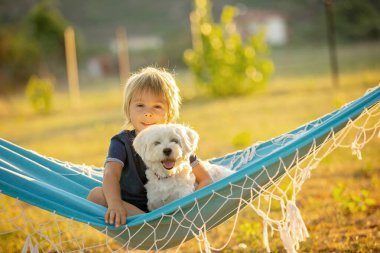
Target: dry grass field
(331, 200)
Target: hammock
(62, 187)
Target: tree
(46, 26)
(220, 60)
(32, 44)
(358, 19)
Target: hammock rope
(268, 175)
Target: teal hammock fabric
(62, 188)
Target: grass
(81, 135)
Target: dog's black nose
(167, 151)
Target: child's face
(146, 109)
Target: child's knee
(96, 195)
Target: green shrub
(242, 139)
(220, 60)
(249, 232)
(40, 94)
(33, 43)
(352, 202)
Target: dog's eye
(157, 143)
(175, 141)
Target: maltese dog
(166, 150)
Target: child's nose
(148, 114)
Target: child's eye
(158, 107)
(140, 105)
(175, 141)
(157, 143)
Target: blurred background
(248, 70)
(32, 42)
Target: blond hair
(159, 82)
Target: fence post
(122, 46)
(72, 67)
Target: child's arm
(116, 213)
(201, 176)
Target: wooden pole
(331, 42)
(72, 67)
(122, 45)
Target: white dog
(166, 150)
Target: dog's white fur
(164, 184)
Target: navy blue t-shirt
(133, 176)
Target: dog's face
(164, 147)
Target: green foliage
(220, 60)
(367, 171)
(358, 19)
(34, 45)
(249, 230)
(352, 202)
(40, 94)
(47, 27)
(18, 55)
(242, 139)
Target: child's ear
(189, 137)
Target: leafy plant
(358, 20)
(220, 60)
(366, 171)
(351, 202)
(32, 44)
(46, 25)
(40, 93)
(248, 231)
(242, 139)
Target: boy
(151, 97)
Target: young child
(151, 97)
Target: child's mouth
(168, 164)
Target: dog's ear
(140, 145)
(190, 139)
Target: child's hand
(116, 214)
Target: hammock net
(268, 175)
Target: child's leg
(96, 195)
(131, 209)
